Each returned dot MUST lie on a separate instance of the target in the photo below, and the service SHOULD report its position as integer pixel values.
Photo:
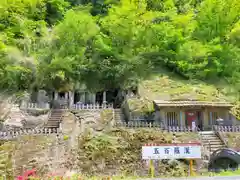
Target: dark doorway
(99, 98)
(61, 94)
(112, 97)
(115, 97)
(76, 97)
(53, 95)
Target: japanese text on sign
(172, 151)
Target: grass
(164, 85)
(229, 173)
(166, 88)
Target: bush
(118, 151)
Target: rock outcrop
(19, 119)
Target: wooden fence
(226, 128)
(143, 124)
(5, 135)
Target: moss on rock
(140, 105)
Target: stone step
(222, 144)
(215, 147)
(210, 137)
(207, 132)
(213, 143)
(52, 123)
(53, 120)
(51, 126)
(213, 139)
(55, 117)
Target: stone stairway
(118, 115)
(211, 141)
(55, 118)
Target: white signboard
(172, 151)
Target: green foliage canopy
(114, 44)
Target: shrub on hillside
(119, 151)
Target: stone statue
(42, 98)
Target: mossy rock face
(140, 105)
(118, 151)
(106, 116)
(233, 140)
(165, 88)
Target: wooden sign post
(151, 168)
(191, 167)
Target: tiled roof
(162, 103)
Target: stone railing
(226, 128)
(181, 129)
(144, 124)
(91, 106)
(137, 124)
(6, 135)
(35, 106)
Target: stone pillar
(104, 97)
(129, 93)
(55, 95)
(66, 95)
(162, 117)
(210, 118)
(226, 119)
(182, 118)
(205, 119)
(71, 98)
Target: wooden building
(193, 113)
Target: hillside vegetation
(109, 44)
(114, 151)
